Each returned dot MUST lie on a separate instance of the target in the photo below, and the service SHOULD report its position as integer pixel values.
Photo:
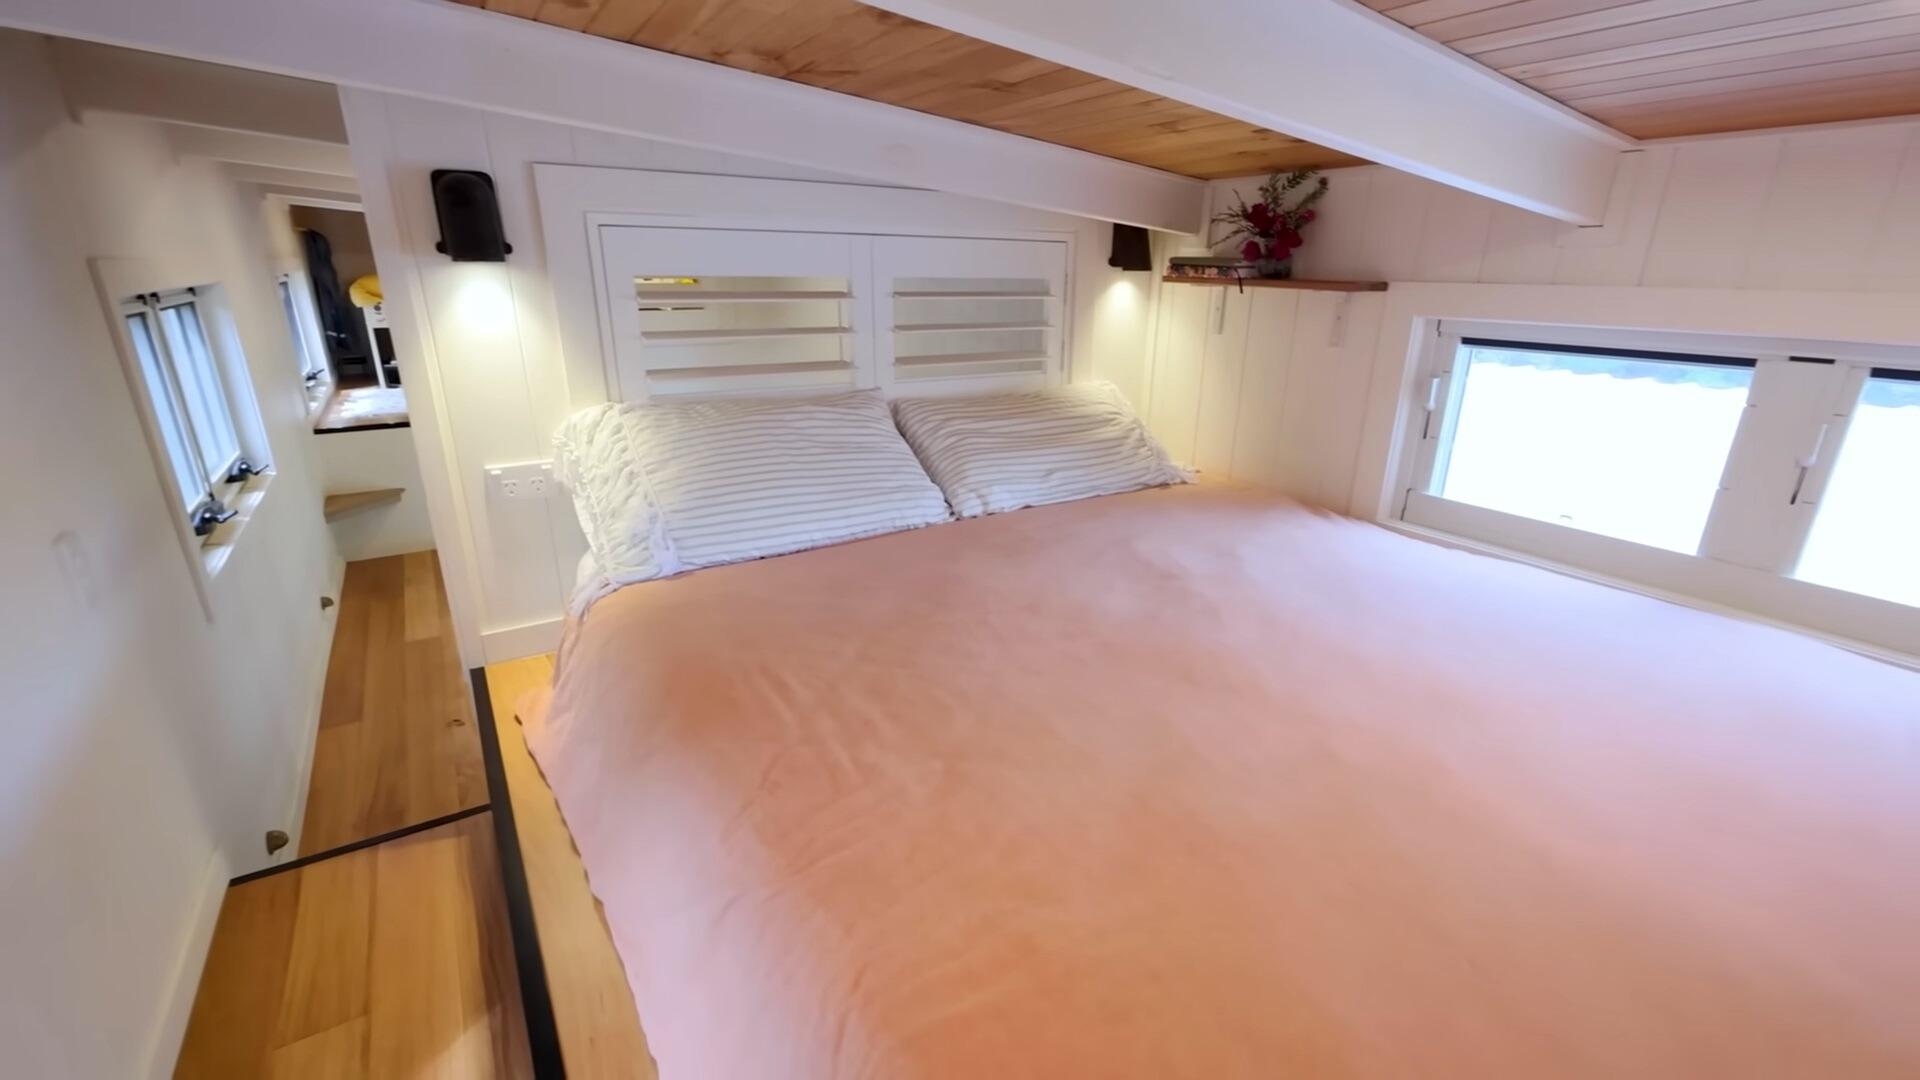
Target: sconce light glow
(484, 304)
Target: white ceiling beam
(446, 52)
(248, 148)
(345, 188)
(1329, 71)
(101, 78)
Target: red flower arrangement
(1270, 226)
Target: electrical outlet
(527, 480)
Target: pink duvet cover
(1197, 783)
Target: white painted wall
(491, 390)
(150, 746)
(1820, 209)
(365, 461)
(1815, 211)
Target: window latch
(243, 469)
(1806, 464)
(211, 514)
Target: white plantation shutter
(965, 315)
(706, 312)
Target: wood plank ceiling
(853, 49)
(1657, 68)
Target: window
(1866, 532)
(312, 361)
(1628, 445)
(1776, 477)
(192, 407)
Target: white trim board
(402, 284)
(514, 642)
(448, 52)
(309, 733)
(170, 1020)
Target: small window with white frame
(309, 344)
(1625, 443)
(1866, 530)
(1778, 477)
(197, 416)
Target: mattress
(1200, 783)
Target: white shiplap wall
(1835, 209)
(1816, 210)
(1248, 383)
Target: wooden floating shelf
(351, 501)
(1283, 283)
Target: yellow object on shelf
(365, 291)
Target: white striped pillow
(677, 486)
(1006, 451)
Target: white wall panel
(153, 740)
(1617, 253)
(1396, 215)
(1831, 210)
(1173, 396)
(1261, 384)
(1258, 425)
(1520, 247)
(1222, 367)
(1711, 213)
(1453, 240)
(1894, 262)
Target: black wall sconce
(1131, 249)
(469, 213)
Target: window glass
(1866, 531)
(310, 371)
(1630, 446)
(188, 476)
(208, 413)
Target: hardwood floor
(397, 743)
(390, 961)
(593, 1008)
(395, 959)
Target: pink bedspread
(1195, 783)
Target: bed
(1198, 782)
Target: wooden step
(352, 501)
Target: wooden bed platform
(594, 1015)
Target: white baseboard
(516, 642)
(295, 815)
(170, 1026)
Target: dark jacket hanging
(340, 321)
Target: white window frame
(209, 516)
(168, 389)
(1783, 454)
(315, 367)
